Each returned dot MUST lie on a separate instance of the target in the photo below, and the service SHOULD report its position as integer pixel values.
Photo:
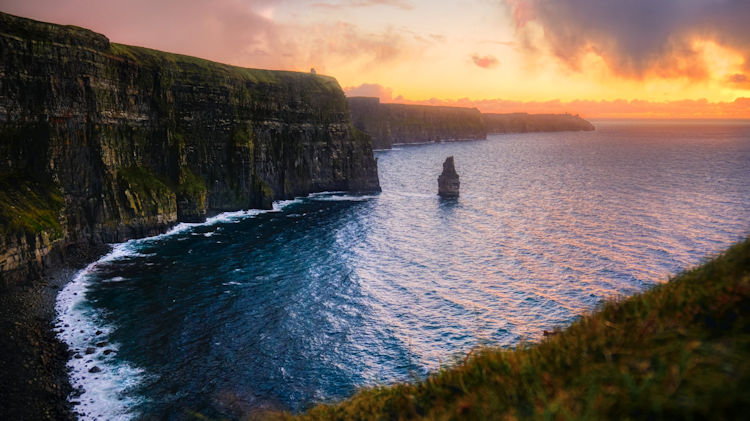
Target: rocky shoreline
(34, 383)
(123, 141)
(103, 142)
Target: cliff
(390, 124)
(102, 142)
(523, 123)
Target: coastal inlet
(282, 309)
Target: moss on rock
(265, 193)
(29, 207)
(193, 186)
(191, 197)
(146, 195)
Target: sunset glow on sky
(599, 58)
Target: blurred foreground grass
(678, 351)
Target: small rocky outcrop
(448, 183)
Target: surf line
(100, 380)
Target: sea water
(326, 294)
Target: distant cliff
(102, 142)
(522, 123)
(390, 124)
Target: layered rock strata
(525, 123)
(391, 124)
(102, 142)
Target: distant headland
(392, 124)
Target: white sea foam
(230, 283)
(342, 198)
(103, 392)
(325, 193)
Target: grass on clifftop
(678, 351)
(198, 67)
(29, 207)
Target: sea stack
(448, 181)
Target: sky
(597, 58)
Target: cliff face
(103, 142)
(390, 124)
(523, 123)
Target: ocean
(306, 303)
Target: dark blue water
(333, 292)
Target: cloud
(224, 30)
(346, 43)
(511, 44)
(637, 37)
(370, 89)
(239, 32)
(739, 81)
(437, 37)
(739, 78)
(700, 108)
(403, 5)
(485, 62)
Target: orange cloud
(739, 79)
(223, 30)
(620, 108)
(522, 12)
(236, 32)
(370, 89)
(345, 44)
(485, 62)
(701, 108)
(365, 3)
(419, 55)
(636, 38)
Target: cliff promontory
(101, 142)
(390, 124)
(524, 123)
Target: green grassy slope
(678, 351)
(203, 70)
(29, 207)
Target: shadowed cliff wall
(104, 142)
(390, 124)
(522, 123)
